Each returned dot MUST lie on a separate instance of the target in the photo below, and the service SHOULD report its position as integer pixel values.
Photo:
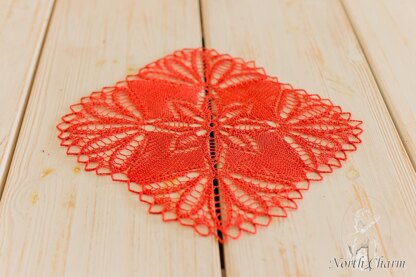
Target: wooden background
(57, 220)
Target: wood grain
(56, 219)
(311, 44)
(22, 29)
(387, 33)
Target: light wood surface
(22, 29)
(387, 33)
(57, 220)
(312, 45)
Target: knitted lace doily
(210, 140)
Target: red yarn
(210, 140)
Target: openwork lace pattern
(209, 140)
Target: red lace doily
(210, 140)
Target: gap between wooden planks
(311, 44)
(56, 219)
(387, 34)
(23, 26)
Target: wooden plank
(387, 34)
(312, 45)
(22, 29)
(56, 219)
